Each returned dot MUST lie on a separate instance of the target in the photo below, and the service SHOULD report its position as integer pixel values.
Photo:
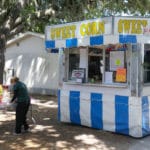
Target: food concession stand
(104, 73)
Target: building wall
(33, 65)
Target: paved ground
(49, 134)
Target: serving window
(105, 64)
(74, 59)
(147, 63)
(95, 56)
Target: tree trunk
(2, 56)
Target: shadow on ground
(49, 134)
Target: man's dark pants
(21, 112)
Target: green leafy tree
(18, 16)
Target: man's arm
(14, 96)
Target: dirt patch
(49, 134)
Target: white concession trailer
(104, 73)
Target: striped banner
(96, 111)
(115, 113)
(91, 41)
(74, 101)
(68, 43)
(145, 116)
(122, 114)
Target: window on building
(147, 63)
(95, 56)
(106, 64)
(74, 59)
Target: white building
(27, 58)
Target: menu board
(116, 60)
(78, 75)
(108, 77)
(121, 75)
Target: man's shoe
(16, 133)
(27, 130)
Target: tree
(10, 24)
(47, 12)
(18, 16)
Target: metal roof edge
(24, 35)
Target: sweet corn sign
(128, 25)
(131, 26)
(80, 29)
(63, 32)
(86, 29)
(104, 26)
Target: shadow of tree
(49, 134)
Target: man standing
(22, 98)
